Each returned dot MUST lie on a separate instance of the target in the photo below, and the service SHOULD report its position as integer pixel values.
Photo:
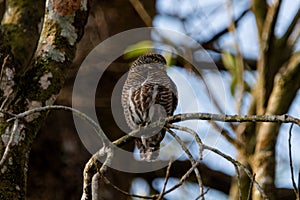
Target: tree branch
(291, 28)
(234, 118)
(260, 10)
(108, 151)
(291, 163)
(209, 43)
(139, 8)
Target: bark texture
(32, 78)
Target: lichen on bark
(42, 62)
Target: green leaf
(138, 49)
(233, 85)
(229, 61)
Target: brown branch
(92, 168)
(237, 164)
(283, 93)
(265, 68)
(108, 151)
(291, 163)
(234, 118)
(269, 25)
(208, 44)
(259, 9)
(291, 27)
(193, 162)
(225, 134)
(107, 181)
(190, 131)
(139, 8)
(251, 187)
(166, 180)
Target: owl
(148, 95)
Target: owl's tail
(149, 146)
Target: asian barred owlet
(148, 95)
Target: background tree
(54, 156)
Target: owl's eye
(155, 60)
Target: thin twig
(225, 134)
(225, 30)
(204, 193)
(80, 114)
(184, 177)
(10, 142)
(107, 181)
(251, 187)
(236, 163)
(166, 180)
(190, 156)
(291, 27)
(291, 162)
(238, 175)
(192, 132)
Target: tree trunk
(23, 87)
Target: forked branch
(95, 169)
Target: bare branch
(139, 8)
(259, 9)
(234, 118)
(126, 193)
(269, 24)
(184, 177)
(291, 162)
(88, 173)
(166, 180)
(81, 115)
(250, 188)
(10, 142)
(91, 169)
(225, 134)
(192, 132)
(204, 193)
(291, 27)
(237, 164)
(191, 160)
(208, 44)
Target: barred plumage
(148, 95)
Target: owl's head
(149, 58)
